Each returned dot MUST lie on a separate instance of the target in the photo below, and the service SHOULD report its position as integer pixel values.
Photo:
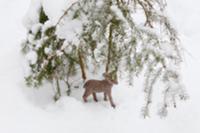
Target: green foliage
(76, 14)
(50, 31)
(42, 16)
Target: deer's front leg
(105, 96)
(95, 97)
(111, 100)
(85, 95)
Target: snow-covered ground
(24, 110)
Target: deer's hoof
(84, 99)
(68, 92)
(56, 97)
(113, 105)
(95, 100)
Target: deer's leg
(111, 100)
(95, 97)
(105, 96)
(85, 95)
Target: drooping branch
(149, 90)
(58, 91)
(65, 13)
(68, 85)
(146, 8)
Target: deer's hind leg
(95, 97)
(105, 96)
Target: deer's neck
(108, 82)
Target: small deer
(94, 86)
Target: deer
(96, 86)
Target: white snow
(27, 110)
(74, 27)
(59, 53)
(47, 25)
(32, 15)
(47, 50)
(118, 13)
(32, 57)
(35, 28)
(56, 8)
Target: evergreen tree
(51, 62)
(111, 36)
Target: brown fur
(93, 86)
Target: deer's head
(109, 78)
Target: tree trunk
(58, 91)
(109, 49)
(82, 65)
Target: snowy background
(24, 110)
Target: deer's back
(97, 85)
